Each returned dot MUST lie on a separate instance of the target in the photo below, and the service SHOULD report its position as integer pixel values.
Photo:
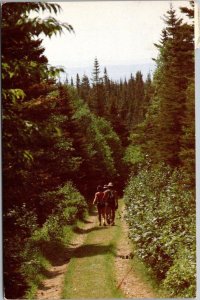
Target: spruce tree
(98, 103)
(96, 73)
(148, 93)
(187, 153)
(72, 82)
(106, 78)
(139, 99)
(78, 82)
(23, 60)
(85, 89)
(26, 80)
(175, 67)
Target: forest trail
(97, 265)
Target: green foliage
(51, 137)
(19, 225)
(160, 199)
(187, 153)
(133, 155)
(24, 251)
(49, 148)
(25, 76)
(23, 62)
(181, 275)
(123, 104)
(103, 150)
(161, 216)
(168, 115)
(66, 205)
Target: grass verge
(47, 252)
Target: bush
(19, 225)
(181, 277)
(28, 251)
(161, 216)
(65, 205)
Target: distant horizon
(116, 72)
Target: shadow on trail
(85, 231)
(49, 275)
(55, 252)
(79, 252)
(58, 254)
(92, 250)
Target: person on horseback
(111, 203)
(98, 200)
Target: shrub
(161, 217)
(29, 249)
(19, 225)
(181, 277)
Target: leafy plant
(161, 218)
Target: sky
(116, 32)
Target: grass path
(96, 268)
(91, 271)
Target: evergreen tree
(66, 80)
(148, 93)
(187, 153)
(96, 73)
(23, 61)
(97, 94)
(26, 80)
(130, 102)
(189, 11)
(78, 82)
(175, 67)
(72, 82)
(139, 99)
(167, 132)
(85, 89)
(106, 78)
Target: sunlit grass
(91, 272)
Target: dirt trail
(125, 277)
(128, 279)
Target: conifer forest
(60, 139)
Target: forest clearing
(66, 139)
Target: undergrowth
(161, 216)
(41, 245)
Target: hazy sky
(116, 32)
